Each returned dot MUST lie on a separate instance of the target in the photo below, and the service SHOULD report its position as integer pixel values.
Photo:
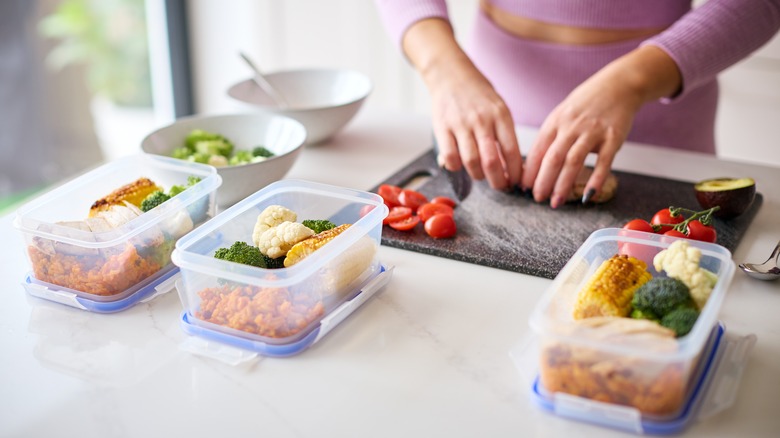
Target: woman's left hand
(595, 117)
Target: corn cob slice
(302, 249)
(610, 290)
(134, 193)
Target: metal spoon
(769, 270)
(263, 83)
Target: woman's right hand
(472, 124)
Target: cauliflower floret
(681, 261)
(276, 241)
(272, 216)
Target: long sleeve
(716, 35)
(398, 15)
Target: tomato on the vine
(397, 213)
(389, 194)
(411, 198)
(405, 224)
(638, 225)
(665, 217)
(441, 226)
(674, 233)
(429, 209)
(699, 231)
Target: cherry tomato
(397, 213)
(638, 225)
(411, 198)
(366, 209)
(665, 217)
(389, 194)
(440, 226)
(699, 231)
(429, 209)
(638, 250)
(405, 224)
(444, 200)
(674, 233)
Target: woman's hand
(472, 124)
(596, 117)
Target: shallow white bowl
(323, 100)
(281, 135)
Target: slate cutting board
(514, 233)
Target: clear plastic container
(269, 310)
(102, 266)
(653, 375)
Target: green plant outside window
(109, 37)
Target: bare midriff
(559, 33)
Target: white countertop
(428, 356)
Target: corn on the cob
(610, 289)
(302, 249)
(134, 193)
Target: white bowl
(323, 100)
(281, 135)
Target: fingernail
(556, 201)
(589, 194)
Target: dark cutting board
(514, 233)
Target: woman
(589, 73)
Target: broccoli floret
(153, 200)
(175, 190)
(273, 263)
(198, 157)
(197, 135)
(681, 320)
(660, 295)
(640, 314)
(241, 157)
(214, 147)
(181, 153)
(261, 151)
(318, 225)
(178, 188)
(241, 252)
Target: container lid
(713, 390)
(232, 349)
(39, 217)
(188, 253)
(601, 245)
(146, 291)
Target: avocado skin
(733, 195)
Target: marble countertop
(428, 356)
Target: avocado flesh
(722, 184)
(732, 195)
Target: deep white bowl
(281, 135)
(323, 100)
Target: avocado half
(732, 195)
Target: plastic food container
(280, 312)
(650, 376)
(110, 268)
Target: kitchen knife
(460, 181)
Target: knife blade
(459, 180)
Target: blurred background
(84, 81)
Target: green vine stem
(704, 216)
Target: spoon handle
(775, 252)
(263, 83)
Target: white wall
(348, 33)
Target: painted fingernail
(589, 194)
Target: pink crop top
(702, 41)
